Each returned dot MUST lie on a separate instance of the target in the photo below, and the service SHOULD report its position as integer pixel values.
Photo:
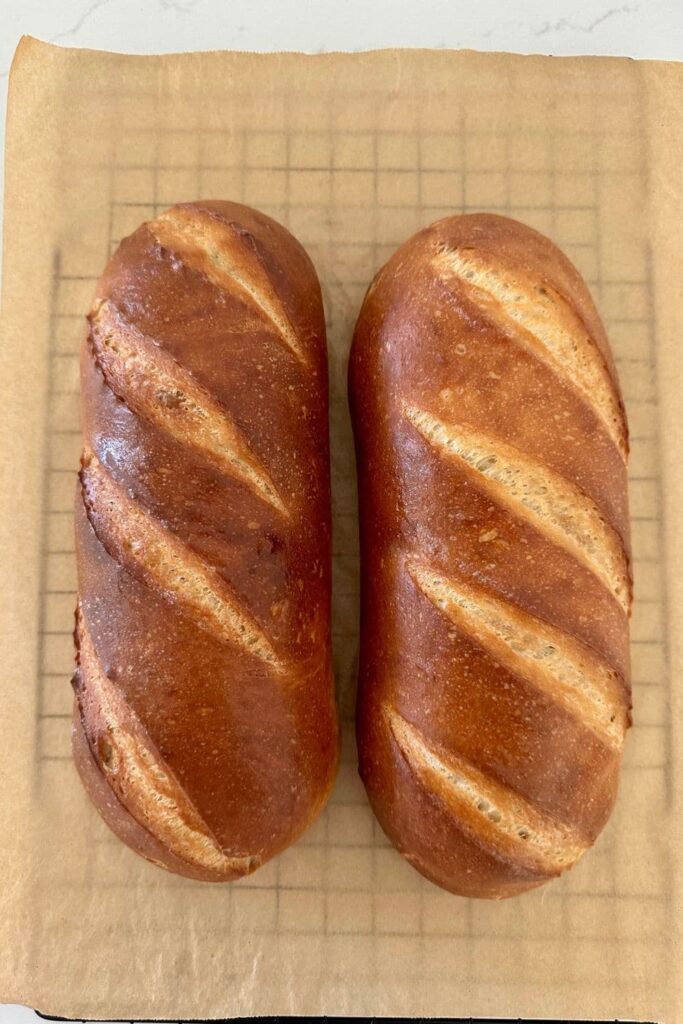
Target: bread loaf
(491, 446)
(204, 722)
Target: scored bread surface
(491, 443)
(157, 388)
(204, 723)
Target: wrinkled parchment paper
(353, 153)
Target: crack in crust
(556, 507)
(540, 654)
(489, 813)
(542, 320)
(218, 249)
(136, 539)
(158, 389)
(142, 781)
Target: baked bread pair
(491, 444)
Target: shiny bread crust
(491, 444)
(205, 728)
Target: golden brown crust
(205, 725)
(491, 442)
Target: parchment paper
(353, 153)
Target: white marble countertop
(649, 29)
